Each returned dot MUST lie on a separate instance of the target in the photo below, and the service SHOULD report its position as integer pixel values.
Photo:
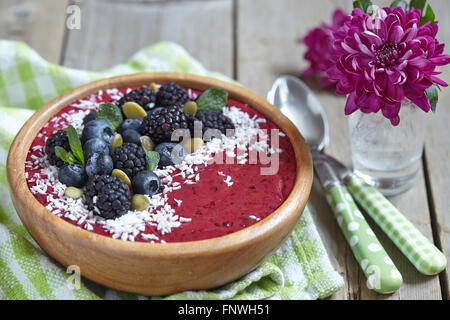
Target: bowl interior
(287, 213)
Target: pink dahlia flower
(379, 61)
(320, 48)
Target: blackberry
(107, 196)
(130, 158)
(211, 120)
(160, 124)
(61, 139)
(170, 95)
(143, 96)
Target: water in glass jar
(388, 157)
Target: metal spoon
(295, 100)
(299, 104)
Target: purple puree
(215, 208)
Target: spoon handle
(381, 274)
(412, 243)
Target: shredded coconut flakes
(159, 214)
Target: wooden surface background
(253, 41)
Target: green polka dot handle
(415, 246)
(381, 273)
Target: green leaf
(364, 5)
(400, 3)
(418, 4)
(213, 99)
(432, 96)
(75, 144)
(65, 156)
(151, 160)
(428, 16)
(111, 113)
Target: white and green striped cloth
(300, 269)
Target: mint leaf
(428, 16)
(151, 160)
(432, 96)
(213, 99)
(75, 144)
(364, 5)
(65, 156)
(418, 4)
(400, 3)
(111, 113)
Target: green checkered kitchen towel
(300, 269)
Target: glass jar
(388, 157)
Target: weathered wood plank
(111, 32)
(267, 47)
(267, 34)
(268, 37)
(437, 150)
(41, 24)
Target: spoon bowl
(296, 101)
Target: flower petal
(379, 61)
(422, 102)
(439, 81)
(351, 106)
(396, 34)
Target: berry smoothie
(124, 182)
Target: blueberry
(146, 182)
(131, 123)
(132, 136)
(88, 118)
(73, 175)
(98, 122)
(99, 163)
(95, 145)
(169, 156)
(98, 129)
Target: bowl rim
(291, 208)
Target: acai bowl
(193, 220)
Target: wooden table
(253, 41)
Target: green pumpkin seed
(139, 202)
(117, 141)
(193, 144)
(122, 175)
(74, 193)
(147, 143)
(133, 110)
(190, 107)
(153, 87)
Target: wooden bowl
(157, 269)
